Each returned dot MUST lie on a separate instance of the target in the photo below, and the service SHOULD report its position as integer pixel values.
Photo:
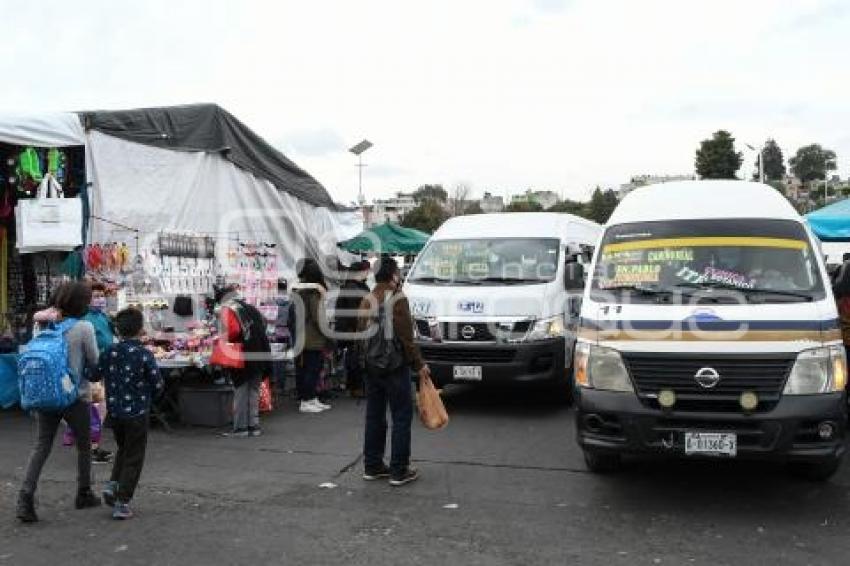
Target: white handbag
(49, 222)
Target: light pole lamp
(761, 161)
(358, 150)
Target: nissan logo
(707, 377)
(468, 332)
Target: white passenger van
(489, 296)
(708, 329)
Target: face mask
(98, 303)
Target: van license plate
(468, 373)
(711, 443)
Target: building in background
(794, 189)
(391, 209)
(546, 199)
(490, 203)
(643, 180)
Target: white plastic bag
(49, 222)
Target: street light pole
(761, 161)
(358, 151)
(360, 198)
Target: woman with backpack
(245, 342)
(72, 302)
(310, 293)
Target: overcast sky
(501, 94)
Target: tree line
(434, 206)
(717, 158)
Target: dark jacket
(402, 321)
(131, 377)
(351, 295)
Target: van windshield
(758, 260)
(483, 261)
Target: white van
(489, 299)
(708, 329)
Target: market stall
(174, 203)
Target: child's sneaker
(108, 493)
(122, 512)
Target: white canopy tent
(152, 188)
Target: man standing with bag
(388, 353)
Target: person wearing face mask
(97, 316)
(105, 336)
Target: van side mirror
(574, 276)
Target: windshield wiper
(708, 285)
(430, 279)
(648, 291)
(511, 280)
(780, 292)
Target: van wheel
(815, 471)
(601, 462)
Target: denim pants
(393, 390)
(78, 417)
(308, 366)
(246, 404)
(131, 436)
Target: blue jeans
(396, 391)
(307, 370)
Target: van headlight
(547, 329)
(819, 370)
(598, 367)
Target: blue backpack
(44, 377)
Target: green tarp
(387, 238)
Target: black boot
(86, 498)
(25, 511)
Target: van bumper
(500, 363)
(614, 422)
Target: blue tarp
(831, 223)
(9, 395)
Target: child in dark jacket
(132, 379)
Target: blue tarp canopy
(831, 223)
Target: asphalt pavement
(503, 484)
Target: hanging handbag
(227, 355)
(49, 222)
(183, 306)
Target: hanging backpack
(44, 377)
(383, 352)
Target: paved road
(504, 484)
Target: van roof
(519, 225)
(686, 200)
